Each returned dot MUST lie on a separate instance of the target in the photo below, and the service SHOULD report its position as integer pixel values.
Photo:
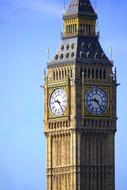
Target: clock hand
(61, 106)
(57, 101)
(97, 101)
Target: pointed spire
(80, 7)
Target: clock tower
(80, 107)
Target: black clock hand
(95, 100)
(57, 101)
(61, 106)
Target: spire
(80, 8)
(79, 38)
(79, 19)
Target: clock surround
(96, 101)
(58, 102)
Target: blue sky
(27, 29)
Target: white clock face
(58, 102)
(96, 101)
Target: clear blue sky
(27, 29)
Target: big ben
(80, 107)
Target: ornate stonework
(80, 128)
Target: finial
(83, 77)
(111, 52)
(44, 73)
(64, 5)
(115, 73)
(48, 52)
(97, 27)
(96, 5)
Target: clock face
(58, 102)
(96, 101)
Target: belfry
(80, 107)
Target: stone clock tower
(80, 107)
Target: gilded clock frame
(50, 91)
(108, 111)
